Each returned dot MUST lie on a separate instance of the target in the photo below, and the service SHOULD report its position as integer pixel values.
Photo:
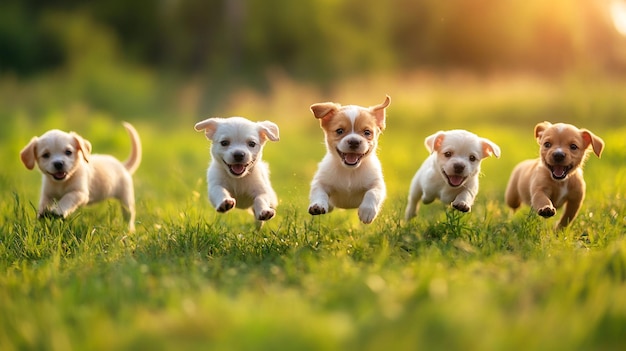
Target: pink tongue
(455, 180)
(352, 158)
(237, 169)
(558, 171)
(59, 175)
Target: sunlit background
(178, 59)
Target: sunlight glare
(618, 13)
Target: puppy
(73, 176)
(451, 171)
(350, 174)
(237, 177)
(556, 177)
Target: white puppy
(350, 174)
(73, 177)
(237, 177)
(451, 171)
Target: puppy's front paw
(367, 214)
(547, 211)
(316, 209)
(226, 205)
(266, 215)
(461, 206)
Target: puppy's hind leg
(415, 196)
(571, 210)
(511, 195)
(128, 209)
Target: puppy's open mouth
(58, 175)
(237, 169)
(350, 159)
(454, 180)
(559, 171)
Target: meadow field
(191, 278)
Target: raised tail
(133, 161)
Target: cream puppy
(237, 177)
(350, 174)
(73, 176)
(450, 172)
(556, 177)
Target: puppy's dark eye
(251, 144)
(547, 144)
(472, 158)
(573, 147)
(367, 133)
(224, 142)
(68, 152)
(46, 155)
(339, 131)
(447, 154)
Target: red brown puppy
(556, 177)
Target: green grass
(194, 279)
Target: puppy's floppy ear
(324, 110)
(83, 145)
(434, 141)
(490, 148)
(268, 130)
(209, 126)
(379, 112)
(27, 155)
(540, 128)
(595, 141)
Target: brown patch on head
(336, 128)
(351, 131)
(368, 126)
(325, 110)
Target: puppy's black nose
(238, 156)
(558, 156)
(459, 168)
(58, 165)
(354, 143)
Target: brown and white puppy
(350, 174)
(450, 172)
(556, 177)
(237, 176)
(73, 176)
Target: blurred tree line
(312, 39)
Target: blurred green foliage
(319, 39)
(178, 59)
